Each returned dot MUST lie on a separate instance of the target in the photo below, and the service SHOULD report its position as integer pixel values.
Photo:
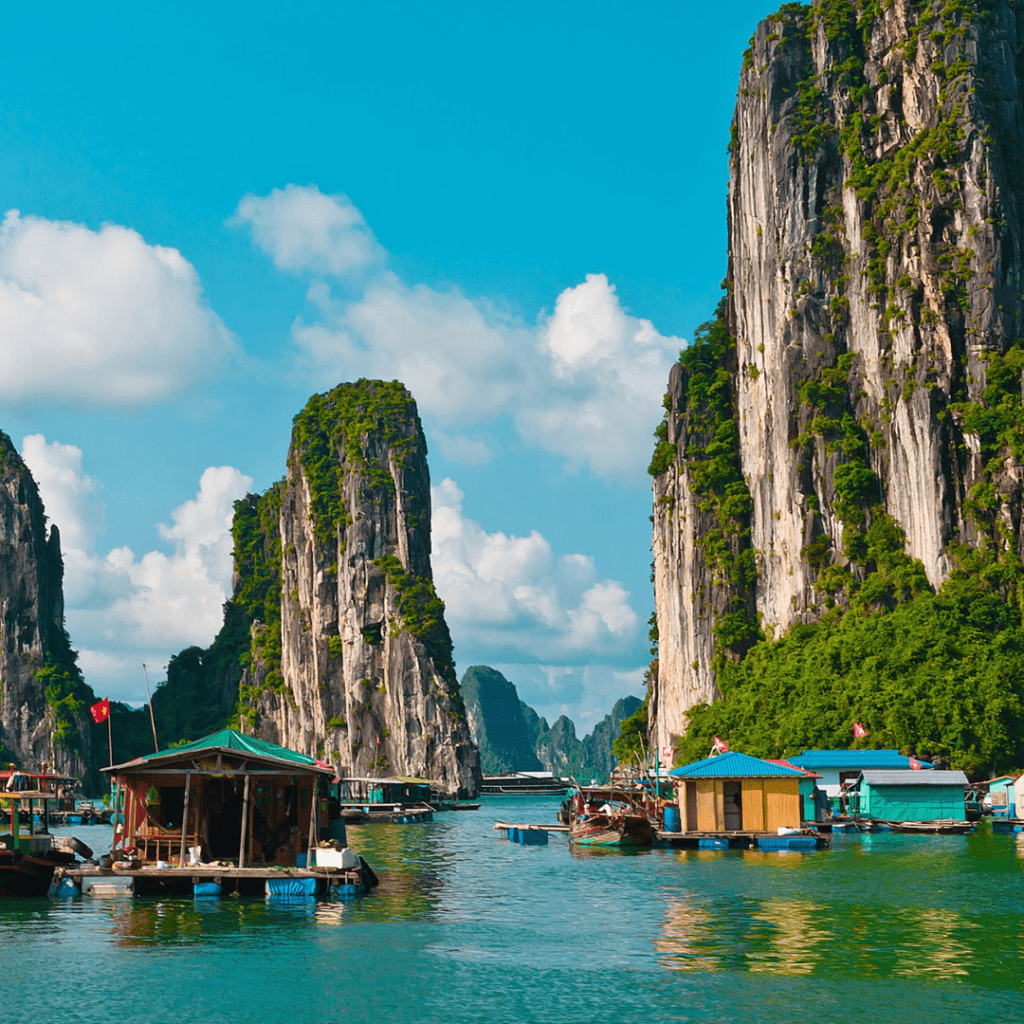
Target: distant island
(511, 736)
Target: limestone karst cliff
(511, 736)
(348, 655)
(43, 713)
(848, 429)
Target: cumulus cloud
(99, 317)
(303, 229)
(511, 598)
(584, 382)
(466, 450)
(123, 609)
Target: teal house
(912, 795)
(1002, 797)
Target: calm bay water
(468, 927)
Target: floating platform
(209, 880)
(807, 840)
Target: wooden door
(753, 805)
(705, 789)
(781, 803)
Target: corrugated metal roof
(789, 764)
(912, 778)
(231, 740)
(852, 760)
(733, 765)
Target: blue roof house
(838, 766)
(736, 792)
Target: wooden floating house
(227, 811)
(736, 799)
(403, 799)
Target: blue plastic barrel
(336, 831)
(713, 844)
(672, 822)
(206, 888)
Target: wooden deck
(179, 881)
(556, 827)
(740, 840)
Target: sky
(210, 212)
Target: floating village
(233, 814)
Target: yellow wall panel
(753, 805)
(781, 804)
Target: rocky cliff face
(350, 657)
(853, 414)
(43, 717)
(498, 722)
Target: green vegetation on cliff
(329, 441)
(941, 674)
(422, 613)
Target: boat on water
(613, 823)
(523, 784)
(28, 860)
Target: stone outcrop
(513, 737)
(867, 354)
(350, 657)
(502, 725)
(43, 717)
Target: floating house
(230, 796)
(735, 792)
(912, 795)
(1002, 797)
(838, 766)
(395, 789)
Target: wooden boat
(620, 829)
(608, 825)
(27, 861)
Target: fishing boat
(27, 861)
(611, 824)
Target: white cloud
(584, 383)
(302, 229)
(465, 450)
(123, 609)
(99, 317)
(512, 598)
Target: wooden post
(245, 823)
(184, 819)
(312, 822)
(152, 720)
(110, 735)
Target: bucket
(672, 822)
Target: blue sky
(518, 209)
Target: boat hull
(631, 831)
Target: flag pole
(152, 720)
(110, 735)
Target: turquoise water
(468, 927)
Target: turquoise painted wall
(912, 803)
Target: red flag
(915, 764)
(719, 746)
(101, 711)
(859, 730)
